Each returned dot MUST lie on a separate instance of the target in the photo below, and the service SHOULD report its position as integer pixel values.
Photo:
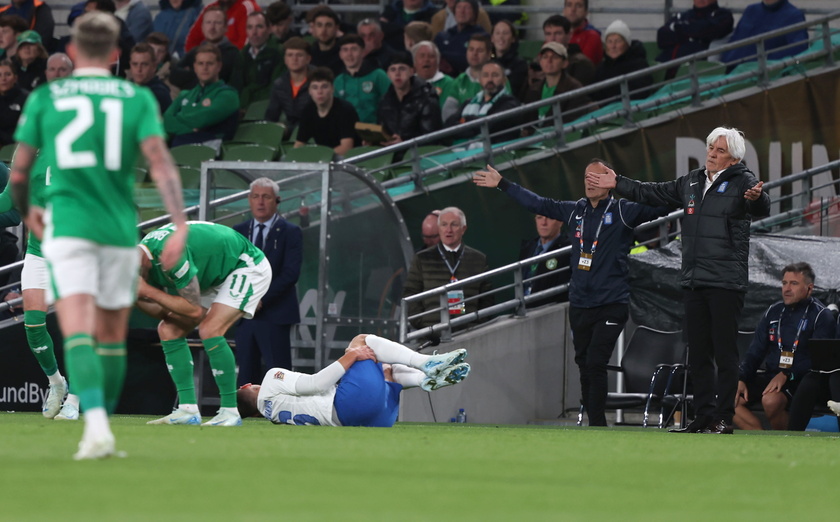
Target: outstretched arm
(487, 178)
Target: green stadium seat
(249, 152)
(309, 154)
(192, 155)
(7, 153)
(529, 49)
(260, 133)
(378, 166)
(190, 177)
(256, 111)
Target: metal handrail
(444, 329)
(695, 90)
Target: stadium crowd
(414, 70)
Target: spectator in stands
(10, 27)
(426, 60)
(399, 13)
(444, 19)
(262, 62)
(763, 17)
(715, 264)
(375, 50)
(327, 120)
(782, 333)
(136, 16)
(583, 33)
(142, 72)
(548, 238)
(453, 41)
(208, 111)
(324, 24)
(416, 32)
(410, 108)
(448, 261)
(557, 28)
(182, 75)
(692, 31)
(493, 98)
(467, 84)
(429, 230)
(31, 60)
(506, 52)
(362, 84)
(36, 14)
(236, 17)
(59, 65)
(12, 98)
(600, 284)
(290, 92)
(175, 19)
(622, 55)
(280, 21)
(553, 62)
(159, 43)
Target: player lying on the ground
(220, 278)
(355, 390)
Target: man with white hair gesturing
(719, 200)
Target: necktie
(260, 236)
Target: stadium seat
(7, 153)
(378, 166)
(190, 177)
(529, 49)
(260, 133)
(192, 155)
(256, 111)
(309, 154)
(653, 366)
(249, 152)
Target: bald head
(429, 229)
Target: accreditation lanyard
(452, 269)
(585, 261)
(786, 357)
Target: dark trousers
(261, 345)
(711, 322)
(594, 332)
(815, 388)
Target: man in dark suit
(548, 238)
(266, 337)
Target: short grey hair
(454, 210)
(369, 21)
(266, 182)
(425, 43)
(734, 141)
(61, 56)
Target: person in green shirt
(466, 85)
(362, 83)
(90, 128)
(209, 110)
(220, 279)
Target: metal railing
(556, 130)
(668, 226)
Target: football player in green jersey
(221, 278)
(90, 128)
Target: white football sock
(55, 378)
(406, 376)
(96, 424)
(394, 353)
(189, 408)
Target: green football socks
(113, 360)
(223, 364)
(84, 368)
(39, 340)
(180, 363)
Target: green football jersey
(39, 178)
(89, 128)
(212, 253)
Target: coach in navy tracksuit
(601, 232)
(266, 337)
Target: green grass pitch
(413, 472)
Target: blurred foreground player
(90, 128)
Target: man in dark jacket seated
(493, 98)
(410, 108)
